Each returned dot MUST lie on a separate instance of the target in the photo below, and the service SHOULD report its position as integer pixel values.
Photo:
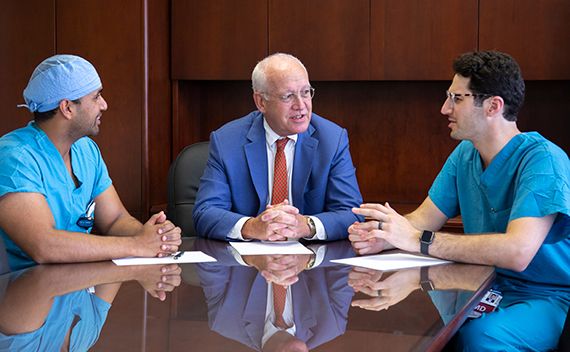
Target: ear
(495, 106)
(66, 108)
(260, 102)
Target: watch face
(427, 236)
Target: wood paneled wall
(128, 42)
(398, 138)
(379, 66)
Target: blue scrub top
(29, 162)
(92, 312)
(528, 178)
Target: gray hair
(259, 77)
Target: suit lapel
(305, 152)
(254, 312)
(303, 310)
(256, 155)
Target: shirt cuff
(320, 251)
(235, 233)
(321, 234)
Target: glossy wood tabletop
(221, 306)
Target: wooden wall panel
(331, 37)
(535, 32)
(26, 39)
(396, 142)
(108, 34)
(418, 40)
(546, 109)
(158, 126)
(205, 106)
(399, 140)
(217, 39)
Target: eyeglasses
(291, 98)
(451, 96)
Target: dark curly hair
(494, 73)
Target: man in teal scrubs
(54, 185)
(512, 190)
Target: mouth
(298, 117)
(451, 122)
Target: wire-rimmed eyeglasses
(451, 96)
(291, 98)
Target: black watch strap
(426, 239)
(425, 282)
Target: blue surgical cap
(60, 77)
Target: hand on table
(388, 230)
(158, 237)
(277, 223)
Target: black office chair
(182, 185)
(4, 265)
(564, 343)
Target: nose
(299, 102)
(103, 103)
(447, 108)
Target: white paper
(186, 257)
(387, 262)
(261, 248)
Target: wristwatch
(312, 260)
(312, 227)
(425, 282)
(426, 239)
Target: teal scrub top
(528, 178)
(92, 312)
(29, 162)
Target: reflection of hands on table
(280, 269)
(385, 293)
(157, 280)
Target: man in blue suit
(234, 198)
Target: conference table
(222, 305)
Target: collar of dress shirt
(271, 137)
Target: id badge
(488, 303)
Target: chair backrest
(564, 343)
(182, 185)
(4, 264)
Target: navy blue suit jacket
(234, 183)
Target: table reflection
(237, 295)
(226, 305)
(63, 307)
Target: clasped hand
(277, 223)
(159, 237)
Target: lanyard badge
(86, 220)
(488, 304)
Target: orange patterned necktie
(279, 297)
(280, 191)
(279, 194)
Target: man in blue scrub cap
(512, 191)
(54, 185)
